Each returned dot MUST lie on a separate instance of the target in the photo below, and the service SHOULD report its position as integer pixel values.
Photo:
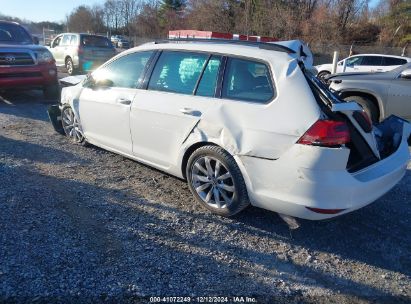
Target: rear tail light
(80, 51)
(328, 133)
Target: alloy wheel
(213, 182)
(69, 67)
(71, 125)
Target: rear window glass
(247, 80)
(177, 72)
(393, 61)
(95, 41)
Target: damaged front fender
(54, 114)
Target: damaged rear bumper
(318, 179)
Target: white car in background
(243, 122)
(364, 63)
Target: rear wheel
(368, 106)
(70, 66)
(71, 125)
(216, 181)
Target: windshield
(13, 33)
(95, 41)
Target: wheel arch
(372, 97)
(67, 57)
(190, 150)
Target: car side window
(177, 72)
(125, 72)
(388, 61)
(354, 61)
(56, 42)
(66, 40)
(208, 82)
(74, 40)
(247, 80)
(372, 60)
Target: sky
(52, 10)
(42, 10)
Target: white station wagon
(244, 123)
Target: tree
(86, 19)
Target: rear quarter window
(247, 80)
(393, 61)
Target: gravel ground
(79, 224)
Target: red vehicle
(24, 63)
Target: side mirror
(48, 43)
(406, 74)
(103, 83)
(36, 40)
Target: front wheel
(216, 181)
(71, 125)
(322, 75)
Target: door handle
(189, 111)
(124, 101)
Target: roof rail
(261, 45)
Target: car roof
(245, 49)
(81, 34)
(382, 55)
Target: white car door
(104, 103)
(164, 115)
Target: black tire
(369, 107)
(72, 128)
(70, 67)
(238, 193)
(52, 92)
(322, 74)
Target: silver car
(380, 94)
(81, 52)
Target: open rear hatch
(369, 143)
